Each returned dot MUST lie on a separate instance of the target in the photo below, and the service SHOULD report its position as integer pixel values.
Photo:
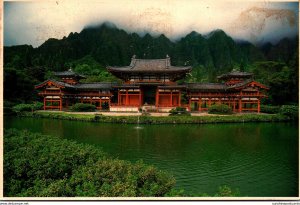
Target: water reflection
(261, 159)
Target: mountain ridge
(110, 45)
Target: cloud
(34, 22)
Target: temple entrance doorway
(149, 95)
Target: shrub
(82, 107)
(27, 107)
(225, 191)
(291, 111)
(220, 109)
(179, 111)
(105, 106)
(270, 109)
(36, 165)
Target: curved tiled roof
(207, 86)
(95, 86)
(59, 83)
(237, 74)
(80, 86)
(68, 73)
(150, 65)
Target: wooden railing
(221, 95)
(50, 92)
(123, 105)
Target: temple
(151, 85)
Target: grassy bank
(243, 118)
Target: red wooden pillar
(157, 98)
(119, 98)
(209, 102)
(189, 106)
(45, 103)
(171, 99)
(200, 104)
(179, 98)
(234, 105)
(60, 104)
(240, 105)
(100, 102)
(140, 98)
(258, 106)
(127, 100)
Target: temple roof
(246, 82)
(150, 65)
(222, 86)
(95, 86)
(68, 73)
(58, 83)
(235, 74)
(80, 86)
(207, 86)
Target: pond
(258, 159)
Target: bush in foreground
(219, 109)
(82, 107)
(291, 111)
(36, 165)
(179, 111)
(27, 107)
(269, 109)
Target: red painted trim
(46, 82)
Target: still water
(258, 159)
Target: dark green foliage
(105, 106)
(44, 166)
(281, 78)
(19, 85)
(27, 107)
(93, 71)
(219, 109)
(291, 111)
(225, 191)
(269, 109)
(179, 111)
(283, 51)
(83, 107)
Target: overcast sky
(34, 22)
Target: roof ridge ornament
(168, 62)
(133, 61)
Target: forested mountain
(91, 50)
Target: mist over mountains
(109, 45)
